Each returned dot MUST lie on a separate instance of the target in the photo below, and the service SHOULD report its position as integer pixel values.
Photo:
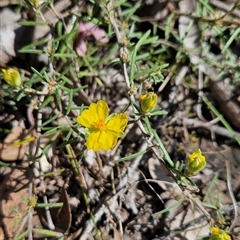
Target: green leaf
(47, 232)
(46, 102)
(32, 23)
(165, 152)
(134, 54)
(33, 51)
(50, 120)
(37, 72)
(147, 71)
(231, 39)
(70, 99)
(65, 55)
(50, 142)
(49, 205)
(211, 206)
(158, 112)
(4, 164)
(168, 26)
(22, 235)
(169, 207)
(130, 157)
(64, 78)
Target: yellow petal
(110, 140)
(102, 109)
(117, 123)
(196, 162)
(219, 234)
(104, 140)
(92, 141)
(86, 119)
(12, 77)
(89, 117)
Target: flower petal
(12, 77)
(104, 140)
(86, 119)
(102, 110)
(110, 140)
(117, 123)
(89, 117)
(92, 141)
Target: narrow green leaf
(33, 51)
(142, 56)
(70, 100)
(159, 112)
(130, 157)
(37, 72)
(37, 43)
(50, 120)
(147, 71)
(51, 174)
(150, 40)
(209, 190)
(65, 79)
(49, 205)
(207, 6)
(22, 235)
(147, 122)
(169, 207)
(76, 90)
(58, 100)
(165, 152)
(4, 164)
(65, 55)
(134, 54)
(168, 26)
(66, 142)
(49, 144)
(32, 23)
(46, 101)
(211, 206)
(52, 130)
(64, 88)
(231, 39)
(45, 232)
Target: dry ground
(98, 196)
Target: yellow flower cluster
(196, 162)
(218, 234)
(103, 131)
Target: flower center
(100, 125)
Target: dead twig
(193, 123)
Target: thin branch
(229, 184)
(193, 123)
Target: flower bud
(12, 77)
(124, 54)
(196, 162)
(148, 102)
(218, 234)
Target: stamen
(100, 125)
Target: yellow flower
(196, 162)
(218, 234)
(148, 102)
(103, 130)
(12, 77)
